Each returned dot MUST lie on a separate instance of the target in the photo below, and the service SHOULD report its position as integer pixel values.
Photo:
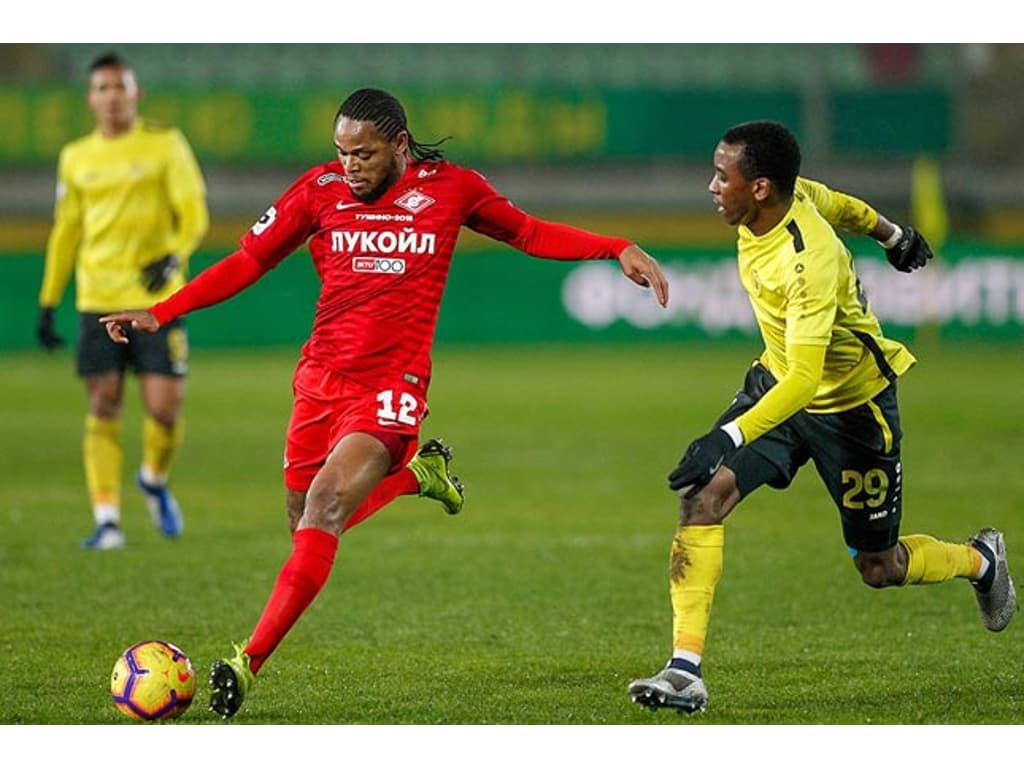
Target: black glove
(156, 274)
(910, 252)
(44, 330)
(701, 460)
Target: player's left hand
(700, 462)
(910, 252)
(643, 270)
(44, 330)
(156, 274)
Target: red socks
(298, 583)
(306, 570)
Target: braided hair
(379, 107)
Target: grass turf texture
(548, 594)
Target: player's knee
(713, 503)
(876, 572)
(162, 406)
(104, 405)
(703, 509)
(166, 417)
(873, 577)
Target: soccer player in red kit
(381, 223)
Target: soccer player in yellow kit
(824, 390)
(130, 211)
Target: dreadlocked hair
(379, 107)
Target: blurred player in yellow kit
(130, 211)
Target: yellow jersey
(804, 291)
(123, 202)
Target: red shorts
(328, 405)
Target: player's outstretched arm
(550, 240)
(905, 248)
(213, 285)
(136, 319)
(643, 270)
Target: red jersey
(383, 265)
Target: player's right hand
(48, 337)
(700, 462)
(642, 269)
(135, 319)
(156, 274)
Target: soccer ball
(153, 680)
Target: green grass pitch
(548, 594)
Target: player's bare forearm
(883, 230)
(643, 270)
(136, 319)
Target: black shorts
(856, 453)
(165, 351)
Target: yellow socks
(102, 456)
(930, 561)
(695, 567)
(159, 445)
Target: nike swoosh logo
(343, 206)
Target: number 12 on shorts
(407, 412)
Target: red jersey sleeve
(498, 218)
(280, 230)
(285, 225)
(211, 286)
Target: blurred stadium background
(614, 137)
